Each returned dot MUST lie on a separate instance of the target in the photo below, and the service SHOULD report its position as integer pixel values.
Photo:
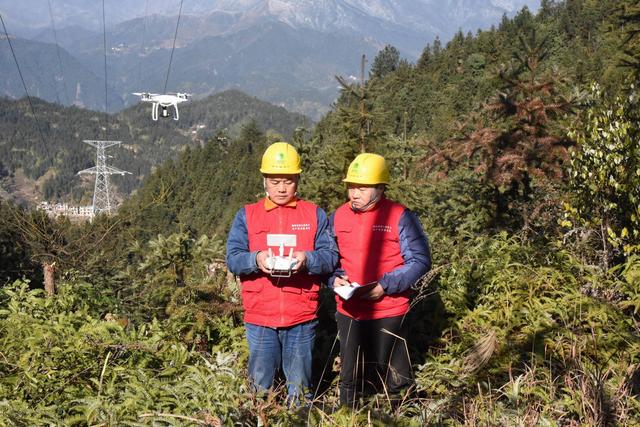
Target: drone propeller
(144, 94)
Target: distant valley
(32, 169)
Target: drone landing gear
(162, 111)
(154, 112)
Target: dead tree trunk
(49, 278)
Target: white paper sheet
(346, 291)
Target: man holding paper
(383, 253)
(280, 246)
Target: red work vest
(280, 301)
(369, 246)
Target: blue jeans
(290, 347)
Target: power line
(175, 36)
(144, 36)
(55, 36)
(106, 90)
(24, 85)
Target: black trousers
(373, 353)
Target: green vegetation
(517, 147)
(604, 175)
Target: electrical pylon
(101, 199)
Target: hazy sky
(88, 13)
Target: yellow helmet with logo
(280, 158)
(368, 169)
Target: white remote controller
(280, 265)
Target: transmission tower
(101, 199)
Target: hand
(340, 281)
(301, 258)
(374, 293)
(261, 259)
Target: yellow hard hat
(280, 158)
(368, 169)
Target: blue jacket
(414, 248)
(321, 261)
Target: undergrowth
(522, 343)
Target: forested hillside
(49, 151)
(519, 150)
(66, 81)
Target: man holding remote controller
(280, 246)
(384, 250)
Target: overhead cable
(175, 36)
(144, 37)
(24, 85)
(106, 90)
(55, 37)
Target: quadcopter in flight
(163, 101)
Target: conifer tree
(385, 62)
(425, 58)
(437, 47)
(510, 142)
(354, 114)
(628, 16)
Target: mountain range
(284, 51)
(441, 17)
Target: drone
(163, 101)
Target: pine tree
(385, 62)
(437, 47)
(628, 16)
(509, 142)
(354, 114)
(425, 58)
